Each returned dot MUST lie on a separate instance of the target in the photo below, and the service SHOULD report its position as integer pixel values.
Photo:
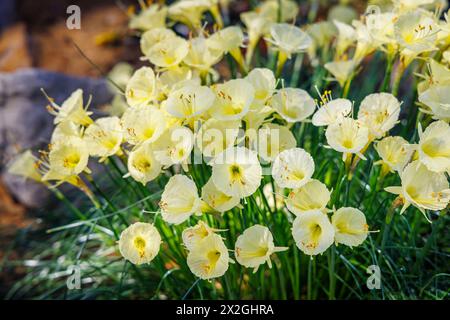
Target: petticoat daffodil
(395, 153)
(153, 37)
(273, 139)
(341, 70)
(143, 124)
(189, 12)
(434, 146)
(190, 101)
(142, 164)
(216, 199)
(174, 146)
(292, 104)
(104, 137)
(331, 111)
(314, 195)
(180, 200)
(237, 172)
(348, 136)
(24, 165)
(229, 40)
(68, 157)
(65, 130)
(168, 53)
(350, 227)
(149, 18)
(264, 83)
(422, 188)
(233, 99)
(313, 232)
(71, 110)
(215, 136)
(293, 168)
(437, 98)
(209, 258)
(141, 89)
(379, 112)
(201, 56)
(139, 243)
(193, 235)
(255, 246)
(288, 39)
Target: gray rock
(25, 122)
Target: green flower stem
(332, 272)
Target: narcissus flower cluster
(217, 146)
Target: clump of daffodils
(225, 150)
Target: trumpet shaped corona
(395, 153)
(237, 172)
(140, 243)
(233, 99)
(293, 105)
(379, 112)
(141, 89)
(437, 99)
(24, 165)
(174, 146)
(179, 200)
(192, 236)
(216, 199)
(142, 164)
(313, 232)
(348, 136)
(422, 188)
(169, 52)
(153, 37)
(350, 226)
(152, 17)
(104, 137)
(68, 157)
(190, 101)
(332, 111)
(143, 124)
(72, 109)
(209, 258)
(273, 139)
(434, 146)
(254, 247)
(314, 195)
(264, 83)
(293, 168)
(215, 136)
(289, 39)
